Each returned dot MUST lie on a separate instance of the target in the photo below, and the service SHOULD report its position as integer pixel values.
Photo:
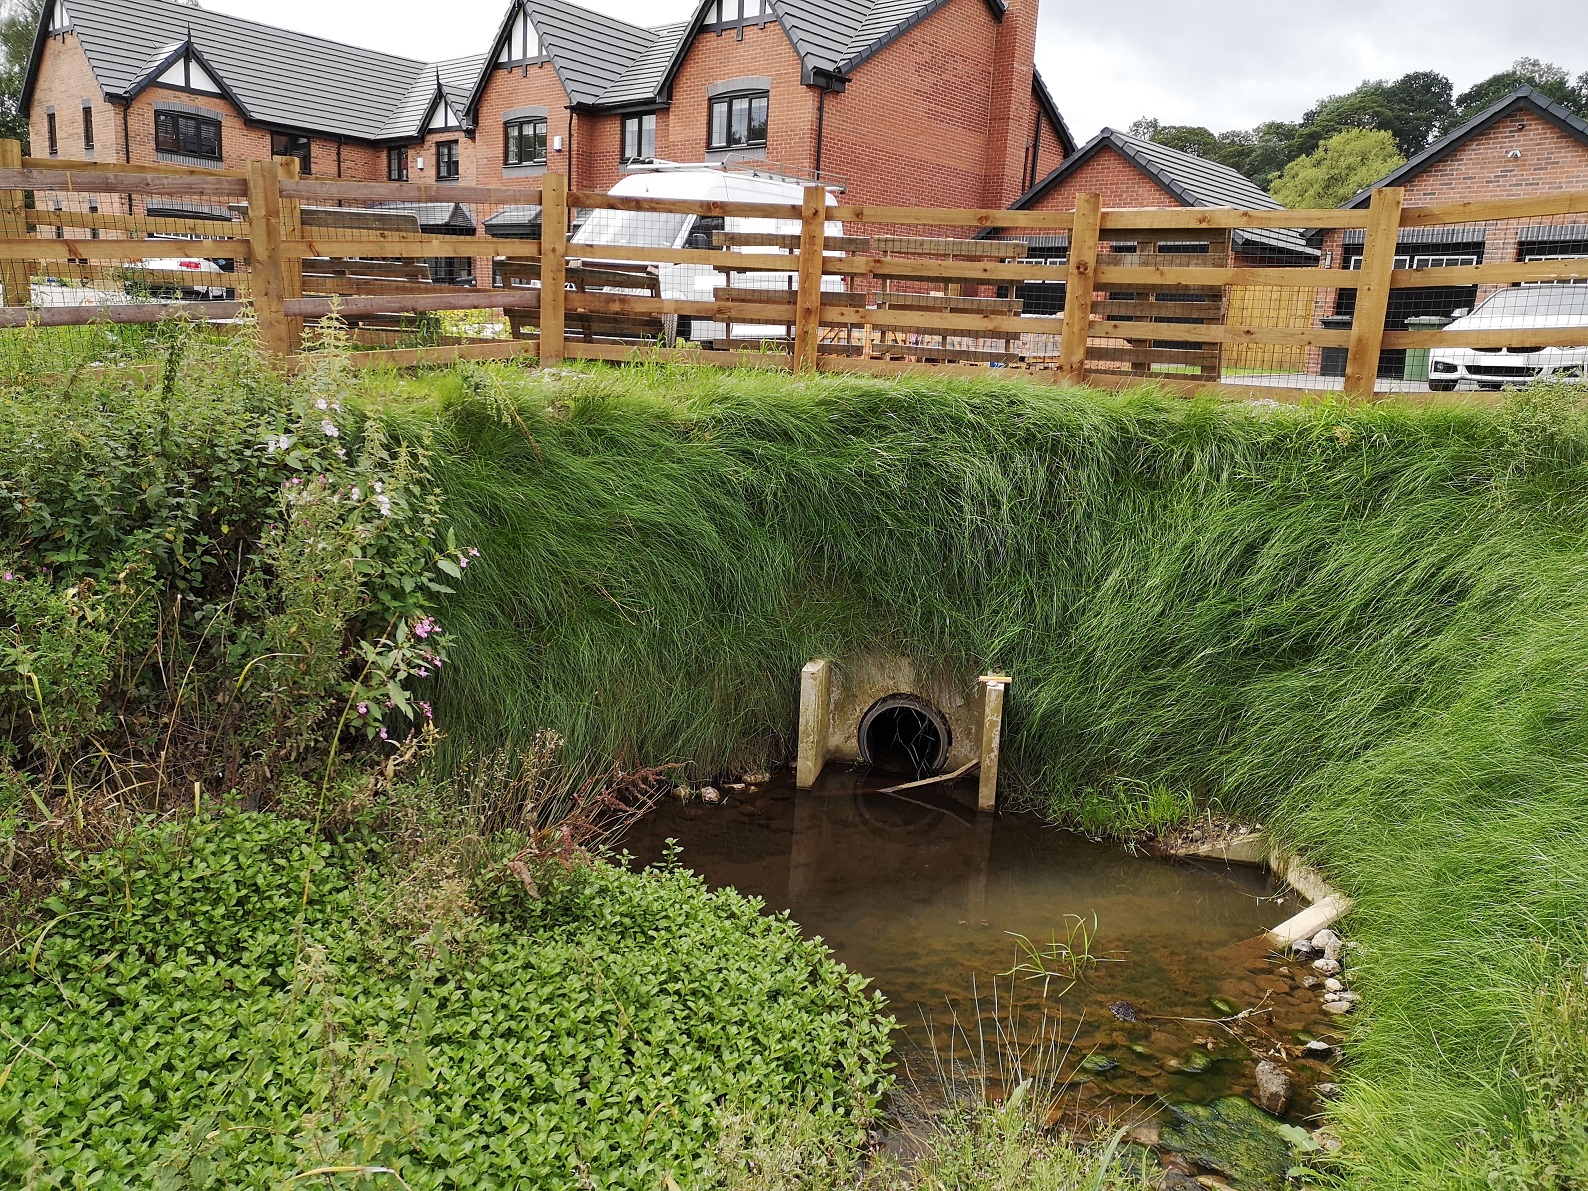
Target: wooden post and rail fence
(918, 288)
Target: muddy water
(927, 898)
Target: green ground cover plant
(234, 1002)
(1361, 626)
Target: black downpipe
(126, 133)
(821, 117)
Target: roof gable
(1190, 180)
(275, 76)
(1522, 99)
(451, 82)
(591, 52)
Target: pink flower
(473, 553)
(10, 577)
(463, 563)
(422, 672)
(363, 709)
(426, 707)
(425, 627)
(383, 735)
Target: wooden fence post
(1372, 292)
(1079, 286)
(16, 277)
(267, 273)
(288, 170)
(553, 267)
(808, 301)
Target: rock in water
(1233, 1137)
(1329, 943)
(1317, 1048)
(1273, 1088)
(1123, 1010)
(1326, 967)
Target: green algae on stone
(1233, 1137)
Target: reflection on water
(924, 896)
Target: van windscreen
(641, 229)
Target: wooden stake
(553, 266)
(1079, 286)
(268, 276)
(808, 304)
(16, 277)
(287, 170)
(1372, 292)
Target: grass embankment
(1364, 626)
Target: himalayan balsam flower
(10, 577)
(384, 502)
(320, 404)
(424, 628)
(363, 709)
(383, 735)
(422, 672)
(355, 493)
(473, 552)
(425, 707)
(330, 428)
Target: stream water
(931, 900)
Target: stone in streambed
(1231, 1137)
(1097, 1064)
(1329, 943)
(1317, 1048)
(1326, 967)
(1273, 1088)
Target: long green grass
(1368, 627)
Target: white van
(697, 283)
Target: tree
(1544, 77)
(1188, 138)
(1341, 166)
(19, 20)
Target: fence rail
(1251, 302)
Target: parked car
(1520, 309)
(697, 283)
(189, 277)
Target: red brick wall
(1011, 104)
(598, 143)
(534, 86)
(717, 57)
(1109, 174)
(913, 126)
(64, 81)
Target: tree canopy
(1413, 110)
(18, 20)
(1346, 163)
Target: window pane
(739, 129)
(648, 136)
(752, 8)
(712, 15)
(631, 138)
(719, 123)
(758, 105)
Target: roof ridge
(188, 10)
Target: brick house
(1133, 173)
(1522, 145)
(931, 102)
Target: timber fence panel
(1263, 303)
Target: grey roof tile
(590, 51)
(457, 78)
(643, 80)
(280, 77)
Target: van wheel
(1442, 386)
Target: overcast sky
(1227, 65)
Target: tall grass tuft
(1365, 626)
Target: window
(195, 136)
(639, 137)
(55, 140)
(397, 164)
(285, 144)
(88, 129)
(446, 161)
(525, 142)
(738, 121)
(724, 14)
